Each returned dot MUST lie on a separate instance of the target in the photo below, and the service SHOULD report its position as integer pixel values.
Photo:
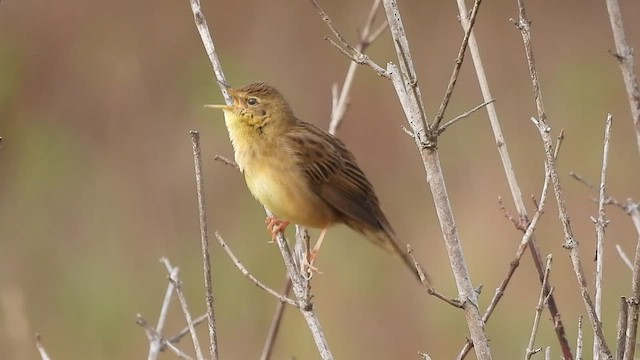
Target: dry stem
(41, 349)
(624, 55)
(621, 328)
(601, 223)
(204, 241)
(539, 308)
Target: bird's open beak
(225, 107)
(221, 107)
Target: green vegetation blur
(96, 174)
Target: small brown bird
(302, 174)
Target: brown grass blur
(96, 173)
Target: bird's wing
(333, 174)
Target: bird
(302, 174)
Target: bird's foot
(307, 269)
(274, 226)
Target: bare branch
(156, 343)
(524, 243)
(226, 161)
(204, 242)
(600, 226)
(456, 67)
(246, 273)
(340, 105)
(570, 243)
(274, 329)
(633, 305)
(173, 278)
(579, 339)
(41, 349)
(541, 303)
(155, 337)
(444, 127)
(516, 192)
(624, 55)
(624, 257)
(351, 52)
(621, 328)
(177, 337)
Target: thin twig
(155, 337)
(155, 347)
(41, 349)
(624, 55)
(346, 48)
(515, 263)
(621, 328)
(624, 257)
(456, 67)
(274, 328)
(570, 243)
(246, 273)
(444, 127)
(634, 304)
(539, 308)
(204, 241)
(177, 337)
(226, 161)
(579, 340)
(173, 278)
(601, 223)
(425, 282)
(207, 42)
(339, 107)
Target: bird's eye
(252, 101)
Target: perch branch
(298, 279)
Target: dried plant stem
(155, 337)
(204, 241)
(156, 345)
(601, 223)
(340, 102)
(458, 65)
(514, 187)
(513, 265)
(41, 349)
(274, 329)
(624, 55)
(633, 304)
(245, 272)
(621, 328)
(539, 308)
(570, 243)
(579, 339)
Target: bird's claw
(274, 226)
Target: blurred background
(96, 173)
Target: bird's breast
(276, 182)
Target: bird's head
(259, 106)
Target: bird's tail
(386, 238)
